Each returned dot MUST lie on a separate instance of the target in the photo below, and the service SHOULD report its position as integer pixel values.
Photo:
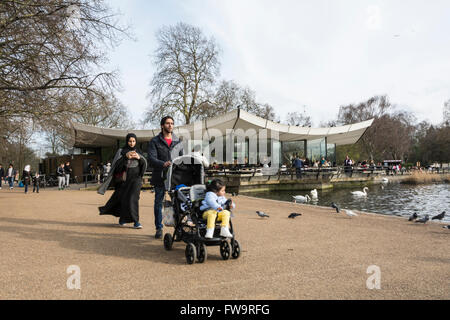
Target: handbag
(168, 214)
(122, 176)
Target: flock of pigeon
(415, 217)
(314, 196)
(265, 215)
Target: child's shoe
(225, 232)
(209, 233)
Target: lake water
(394, 199)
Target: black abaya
(124, 202)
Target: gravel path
(319, 255)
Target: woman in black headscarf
(127, 170)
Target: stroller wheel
(236, 249)
(191, 253)
(202, 254)
(225, 250)
(168, 241)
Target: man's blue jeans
(159, 198)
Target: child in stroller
(214, 206)
(186, 187)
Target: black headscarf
(127, 148)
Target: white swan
(314, 194)
(360, 193)
(301, 198)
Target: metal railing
(293, 173)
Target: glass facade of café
(313, 150)
(279, 148)
(241, 151)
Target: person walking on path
(2, 175)
(26, 177)
(10, 176)
(36, 182)
(128, 168)
(106, 170)
(67, 173)
(61, 176)
(161, 150)
(298, 165)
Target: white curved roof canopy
(238, 121)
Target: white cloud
(322, 54)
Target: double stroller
(186, 187)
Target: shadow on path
(139, 246)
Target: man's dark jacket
(159, 152)
(67, 169)
(298, 163)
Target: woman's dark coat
(124, 202)
(26, 177)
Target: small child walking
(214, 204)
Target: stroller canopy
(188, 170)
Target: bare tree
(105, 112)
(51, 57)
(229, 95)
(55, 141)
(299, 119)
(391, 134)
(266, 111)
(187, 65)
(446, 113)
(394, 136)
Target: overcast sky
(319, 54)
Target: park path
(320, 255)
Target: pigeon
(262, 214)
(424, 219)
(350, 213)
(413, 217)
(293, 215)
(335, 206)
(439, 216)
(446, 227)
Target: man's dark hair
(215, 185)
(163, 120)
